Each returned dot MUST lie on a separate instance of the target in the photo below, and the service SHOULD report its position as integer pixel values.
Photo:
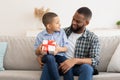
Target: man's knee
(87, 68)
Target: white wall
(17, 16)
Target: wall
(17, 16)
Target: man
(83, 51)
(84, 47)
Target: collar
(85, 33)
(46, 33)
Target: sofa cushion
(114, 65)
(108, 46)
(3, 47)
(107, 76)
(35, 75)
(20, 54)
(20, 75)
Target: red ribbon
(50, 42)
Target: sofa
(20, 60)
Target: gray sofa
(20, 60)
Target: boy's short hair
(47, 17)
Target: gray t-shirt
(72, 42)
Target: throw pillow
(114, 65)
(3, 46)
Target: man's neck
(81, 31)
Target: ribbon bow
(45, 48)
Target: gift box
(48, 46)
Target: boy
(52, 32)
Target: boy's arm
(39, 51)
(64, 45)
(39, 59)
(60, 49)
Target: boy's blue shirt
(58, 36)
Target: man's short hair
(85, 11)
(48, 17)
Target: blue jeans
(68, 75)
(50, 69)
(84, 71)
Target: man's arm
(69, 63)
(83, 61)
(92, 60)
(93, 54)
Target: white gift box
(48, 46)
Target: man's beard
(78, 28)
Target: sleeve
(64, 39)
(38, 41)
(95, 51)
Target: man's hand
(68, 64)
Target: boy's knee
(49, 57)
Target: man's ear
(86, 22)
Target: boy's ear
(48, 26)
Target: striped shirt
(87, 46)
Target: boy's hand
(57, 49)
(39, 59)
(41, 51)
